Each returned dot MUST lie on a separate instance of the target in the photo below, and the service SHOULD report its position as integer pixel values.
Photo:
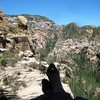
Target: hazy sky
(83, 12)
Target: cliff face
(38, 31)
(29, 43)
(75, 38)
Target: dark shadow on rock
(6, 95)
(80, 98)
(52, 88)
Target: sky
(82, 12)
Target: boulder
(22, 19)
(28, 53)
(21, 43)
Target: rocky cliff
(28, 44)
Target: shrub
(34, 66)
(8, 54)
(13, 82)
(3, 62)
(9, 58)
(86, 77)
(42, 53)
(42, 69)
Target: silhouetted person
(47, 90)
(52, 88)
(47, 87)
(54, 78)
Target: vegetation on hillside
(86, 78)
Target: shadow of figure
(52, 88)
(5, 95)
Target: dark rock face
(98, 56)
(3, 98)
(22, 43)
(4, 42)
(1, 18)
(7, 95)
(80, 98)
(20, 39)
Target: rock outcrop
(28, 44)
